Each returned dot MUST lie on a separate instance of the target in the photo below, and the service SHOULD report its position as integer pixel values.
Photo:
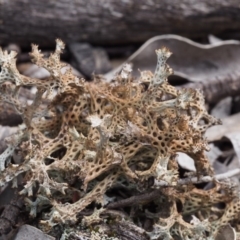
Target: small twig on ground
(203, 179)
(149, 196)
(127, 230)
(135, 200)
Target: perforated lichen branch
(80, 139)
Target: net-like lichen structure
(81, 140)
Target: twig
(203, 179)
(149, 196)
(135, 200)
(228, 174)
(127, 230)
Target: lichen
(81, 138)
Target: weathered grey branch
(114, 21)
(203, 179)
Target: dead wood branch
(113, 21)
